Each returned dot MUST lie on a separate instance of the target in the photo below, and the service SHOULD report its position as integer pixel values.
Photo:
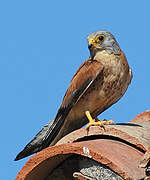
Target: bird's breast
(105, 90)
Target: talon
(96, 123)
(110, 122)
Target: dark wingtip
(22, 155)
(39, 142)
(18, 157)
(36, 144)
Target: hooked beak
(91, 43)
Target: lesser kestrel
(98, 83)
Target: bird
(98, 83)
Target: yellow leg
(97, 123)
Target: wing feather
(81, 81)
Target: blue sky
(42, 43)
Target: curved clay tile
(120, 157)
(118, 147)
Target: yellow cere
(93, 41)
(97, 41)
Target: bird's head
(102, 40)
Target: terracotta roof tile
(145, 116)
(122, 148)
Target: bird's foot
(97, 122)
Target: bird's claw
(97, 123)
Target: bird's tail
(42, 140)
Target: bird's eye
(101, 38)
